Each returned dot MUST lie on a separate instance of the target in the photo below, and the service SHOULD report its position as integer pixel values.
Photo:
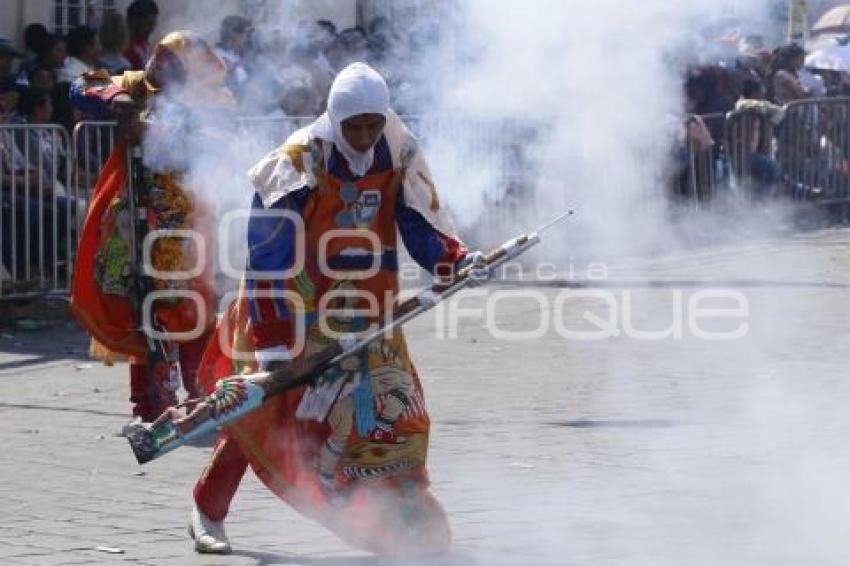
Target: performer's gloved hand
(479, 273)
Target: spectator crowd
(287, 73)
(736, 116)
(272, 73)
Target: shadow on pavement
(613, 423)
(274, 559)
(37, 333)
(62, 409)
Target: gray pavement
(544, 451)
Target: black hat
(7, 48)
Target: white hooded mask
(357, 89)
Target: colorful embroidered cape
(102, 291)
(362, 470)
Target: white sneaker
(208, 534)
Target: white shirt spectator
(72, 69)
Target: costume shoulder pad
(285, 170)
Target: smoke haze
(731, 464)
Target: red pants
(220, 479)
(149, 393)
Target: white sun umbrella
(835, 57)
(836, 20)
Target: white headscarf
(357, 89)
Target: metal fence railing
(41, 209)
(804, 156)
(813, 149)
(703, 172)
(46, 175)
(749, 149)
(92, 142)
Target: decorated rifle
(238, 395)
(138, 202)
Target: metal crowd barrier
(704, 171)
(41, 210)
(92, 143)
(47, 176)
(813, 149)
(754, 172)
(806, 156)
(40, 226)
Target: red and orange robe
(103, 296)
(360, 469)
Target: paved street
(619, 451)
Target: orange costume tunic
(350, 452)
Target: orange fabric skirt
(395, 514)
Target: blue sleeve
(270, 237)
(271, 248)
(426, 245)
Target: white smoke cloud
(745, 473)
(603, 79)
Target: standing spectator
(8, 54)
(787, 61)
(50, 52)
(8, 99)
(308, 55)
(13, 164)
(382, 38)
(387, 51)
(753, 65)
(141, 21)
(351, 46)
(297, 96)
(44, 148)
(706, 94)
(57, 52)
(328, 26)
(42, 78)
(234, 41)
(113, 41)
(82, 53)
(35, 36)
(764, 172)
(37, 159)
(16, 178)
